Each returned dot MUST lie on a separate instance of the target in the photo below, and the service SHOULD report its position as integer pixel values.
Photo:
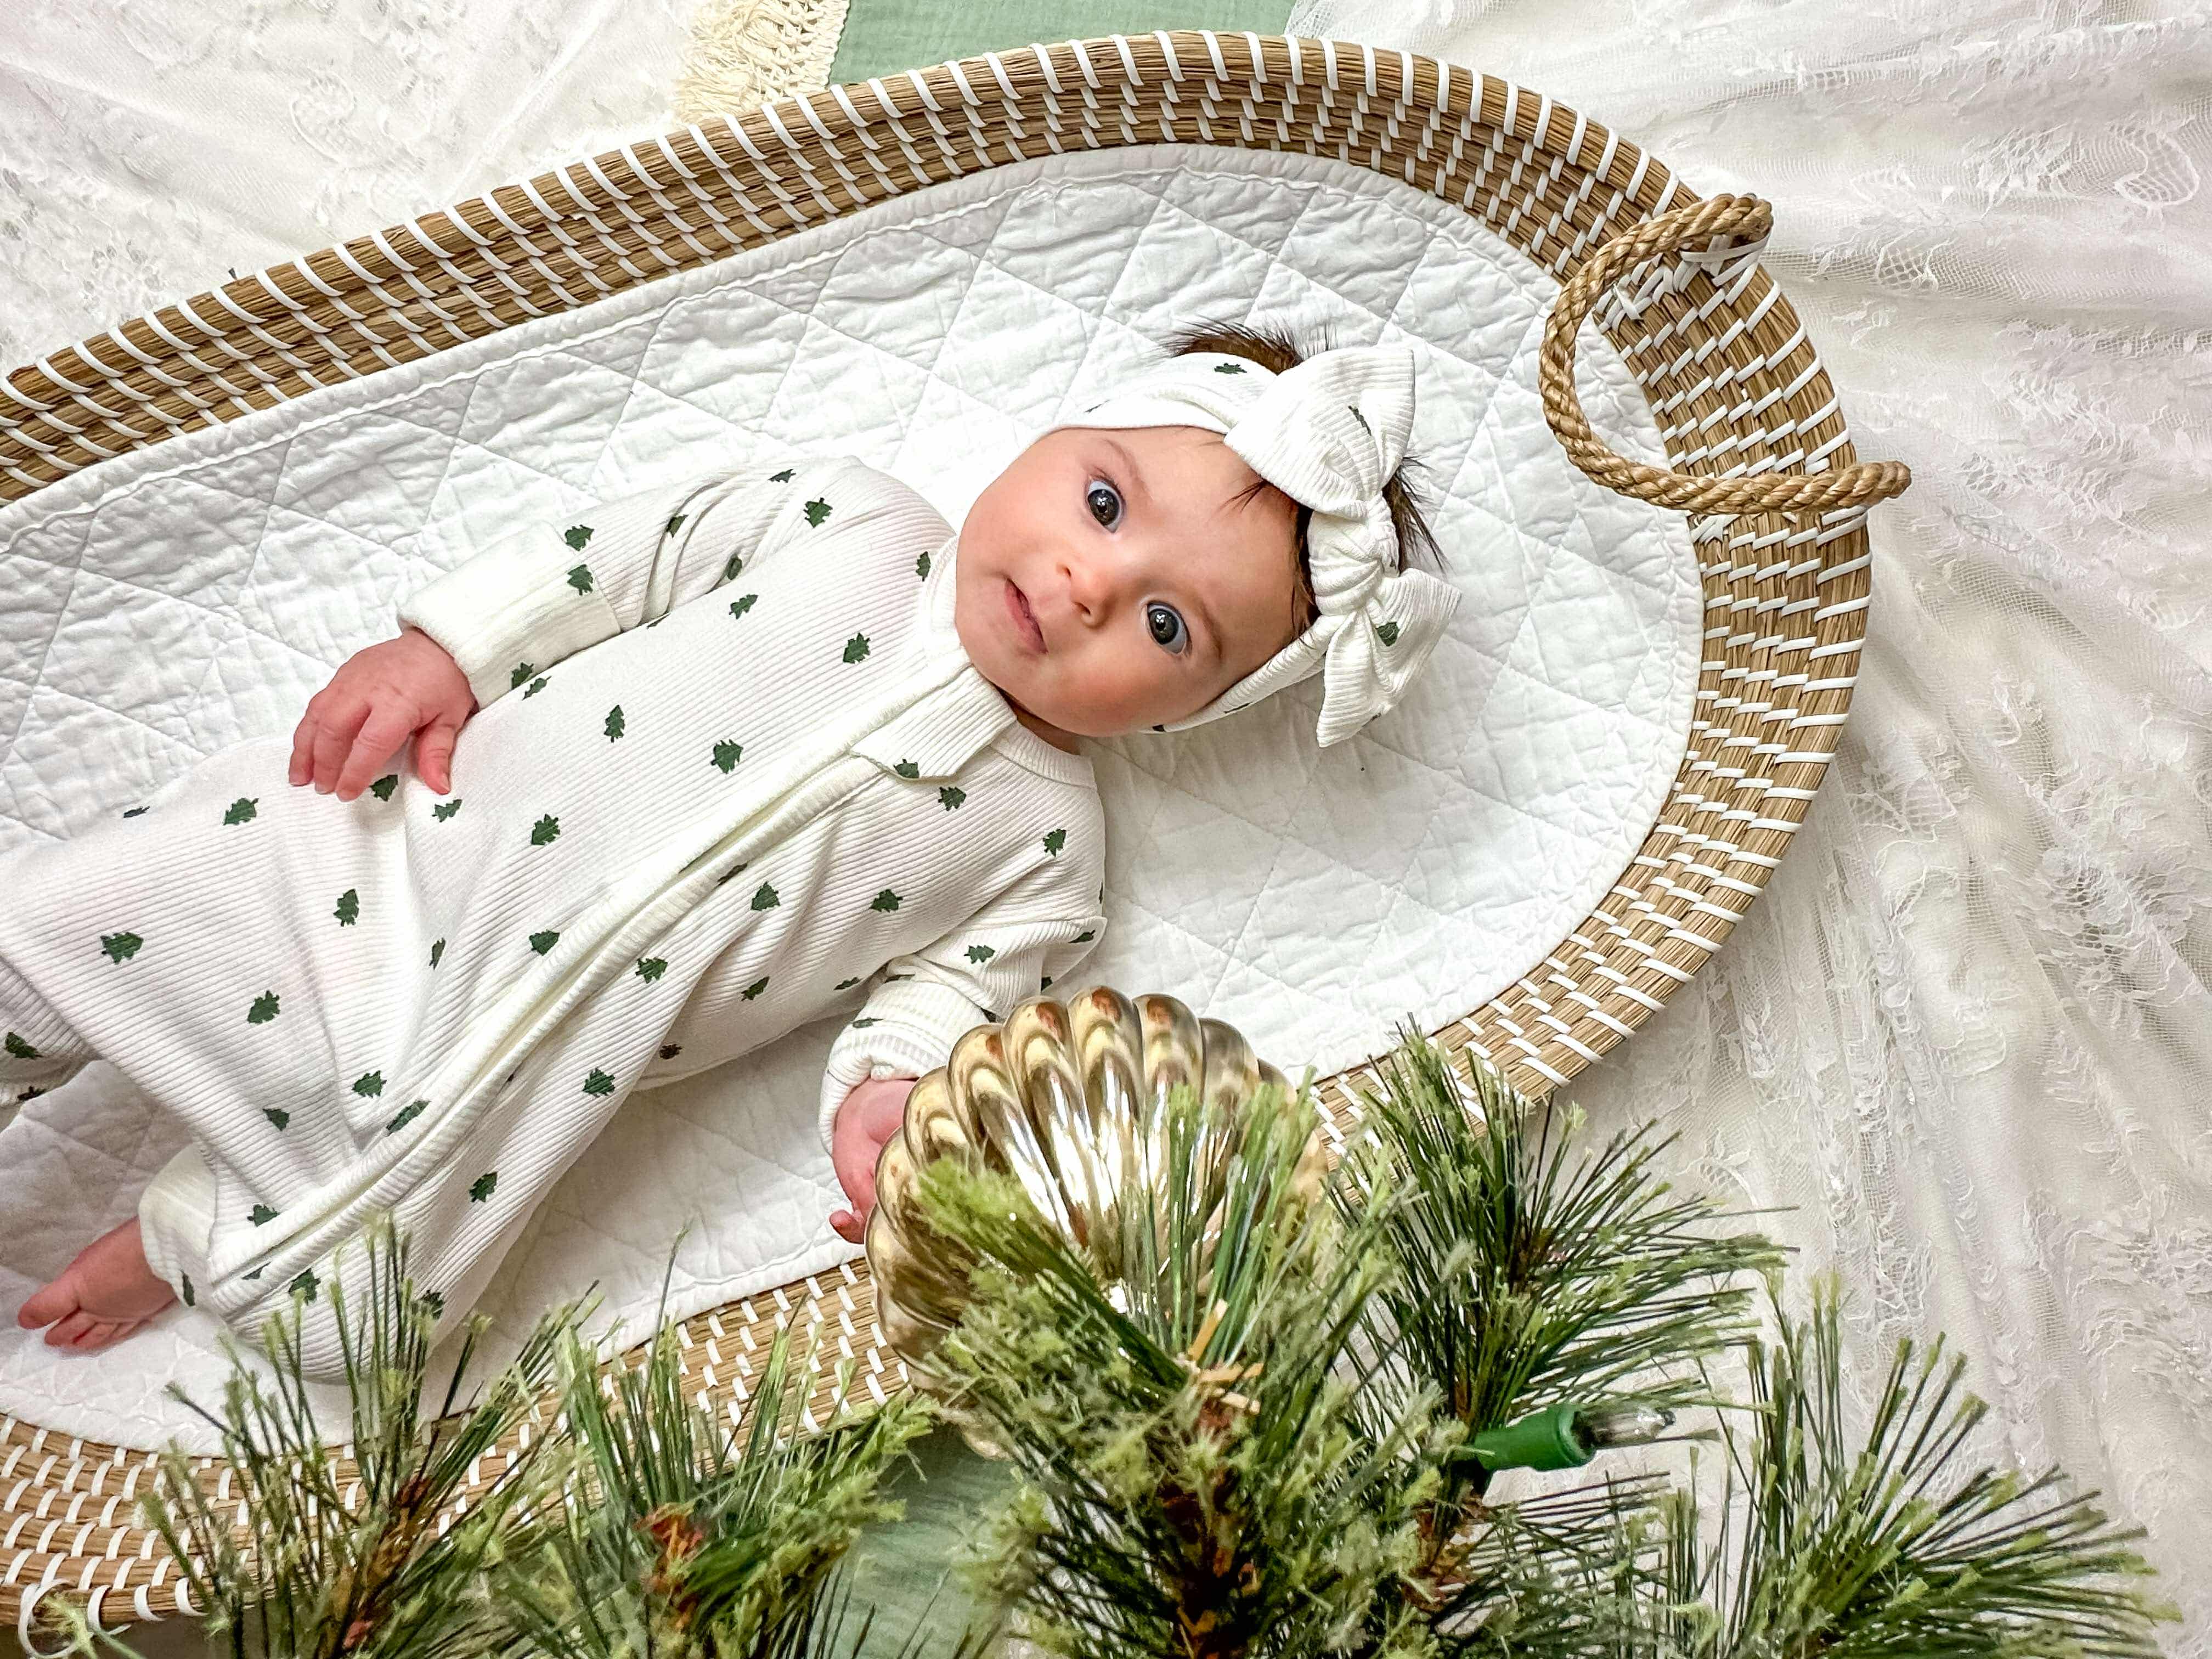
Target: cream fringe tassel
(744, 53)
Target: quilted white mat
(173, 602)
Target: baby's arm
(1042, 927)
(559, 585)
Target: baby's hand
(869, 1117)
(379, 698)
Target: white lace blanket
(1966, 1030)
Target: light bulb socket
(1543, 1440)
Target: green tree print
(277, 1115)
(369, 1084)
(242, 810)
(742, 603)
(846, 984)
(545, 831)
(263, 1009)
(261, 1215)
(120, 947)
(858, 1024)
(754, 990)
(670, 1050)
(523, 671)
(445, 810)
(598, 1083)
(675, 523)
(576, 536)
(1084, 936)
(886, 900)
(580, 578)
(136, 810)
(981, 953)
(306, 1284)
(348, 910)
(615, 727)
(1228, 368)
(726, 755)
(533, 688)
(383, 786)
(783, 477)
(950, 797)
(650, 968)
(437, 950)
(1389, 630)
(405, 1116)
(191, 1301)
(730, 570)
(481, 1188)
(764, 898)
(545, 941)
(921, 566)
(856, 647)
(817, 511)
(906, 769)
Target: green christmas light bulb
(1567, 1435)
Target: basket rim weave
(1761, 458)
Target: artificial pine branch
(1192, 1482)
(679, 1548)
(1533, 1273)
(363, 1570)
(1827, 1549)
(673, 1536)
(1889, 1548)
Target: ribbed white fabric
(732, 770)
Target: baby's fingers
(335, 730)
(303, 749)
(381, 734)
(433, 753)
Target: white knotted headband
(1328, 433)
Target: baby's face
(1107, 581)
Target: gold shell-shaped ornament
(1069, 1098)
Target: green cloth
(900, 1565)
(882, 37)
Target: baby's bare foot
(102, 1297)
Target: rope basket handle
(1718, 217)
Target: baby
(689, 768)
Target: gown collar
(938, 734)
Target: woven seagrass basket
(1762, 462)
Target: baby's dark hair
(1274, 350)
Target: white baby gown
(731, 770)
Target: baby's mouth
(1025, 620)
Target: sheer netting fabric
(1965, 1034)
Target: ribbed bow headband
(1328, 433)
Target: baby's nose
(1093, 585)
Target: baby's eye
(1172, 631)
(1111, 514)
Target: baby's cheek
(1118, 689)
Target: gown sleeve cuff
(176, 1217)
(914, 1024)
(505, 611)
